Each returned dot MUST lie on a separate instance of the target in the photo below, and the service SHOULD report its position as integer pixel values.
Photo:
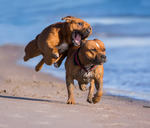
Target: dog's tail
(32, 50)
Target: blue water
(123, 25)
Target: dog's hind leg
(32, 50)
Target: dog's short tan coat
(54, 41)
(92, 52)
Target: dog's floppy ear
(97, 40)
(68, 18)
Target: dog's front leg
(91, 91)
(70, 89)
(99, 87)
(59, 61)
(39, 65)
(50, 52)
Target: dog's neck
(83, 62)
(65, 34)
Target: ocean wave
(127, 93)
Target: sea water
(123, 26)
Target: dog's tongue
(78, 37)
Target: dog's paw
(96, 99)
(56, 65)
(82, 87)
(70, 101)
(55, 55)
(89, 100)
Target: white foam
(113, 90)
(124, 41)
(117, 20)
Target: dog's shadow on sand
(40, 100)
(31, 99)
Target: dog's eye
(93, 50)
(104, 50)
(80, 24)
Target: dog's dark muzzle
(86, 32)
(99, 60)
(103, 58)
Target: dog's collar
(78, 63)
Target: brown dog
(85, 64)
(54, 41)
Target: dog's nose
(88, 30)
(103, 56)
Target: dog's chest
(63, 47)
(84, 77)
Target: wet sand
(36, 100)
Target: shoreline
(31, 99)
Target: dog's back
(55, 40)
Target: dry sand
(37, 100)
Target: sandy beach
(36, 100)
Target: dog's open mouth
(77, 38)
